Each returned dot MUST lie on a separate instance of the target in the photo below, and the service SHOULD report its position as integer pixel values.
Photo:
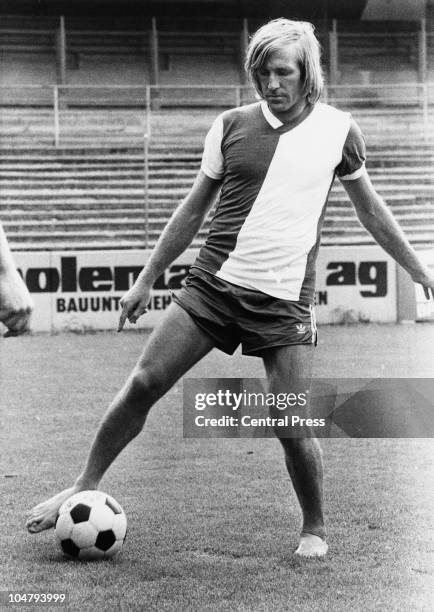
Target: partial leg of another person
(175, 345)
(289, 370)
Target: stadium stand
(72, 167)
(377, 46)
(101, 51)
(81, 199)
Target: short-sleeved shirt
(265, 232)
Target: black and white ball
(91, 525)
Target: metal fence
(63, 115)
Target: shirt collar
(271, 119)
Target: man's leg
(289, 370)
(175, 345)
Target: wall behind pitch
(81, 290)
(27, 69)
(394, 10)
(200, 70)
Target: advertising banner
(80, 290)
(355, 284)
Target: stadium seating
(89, 191)
(376, 47)
(75, 198)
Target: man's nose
(273, 82)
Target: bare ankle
(318, 530)
(85, 484)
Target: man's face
(280, 82)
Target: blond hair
(281, 33)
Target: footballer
(271, 164)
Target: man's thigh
(289, 364)
(174, 346)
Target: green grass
(213, 523)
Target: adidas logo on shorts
(301, 329)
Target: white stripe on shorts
(313, 323)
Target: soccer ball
(91, 525)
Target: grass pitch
(213, 523)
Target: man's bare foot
(43, 516)
(311, 546)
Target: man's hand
(16, 305)
(134, 303)
(427, 282)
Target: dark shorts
(232, 315)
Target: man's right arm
(175, 239)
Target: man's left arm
(380, 223)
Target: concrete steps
(34, 176)
(175, 193)
(421, 222)
(96, 198)
(176, 180)
(137, 239)
(115, 208)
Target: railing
(405, 95)
(115, 114)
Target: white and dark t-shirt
(265, 232)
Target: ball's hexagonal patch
(102, 517)
(64, 526)
(119, 526)
(70, 548)
(84, 534)
(113, 505)
(105, 540)
(80, 513)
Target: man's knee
(146, 386)
(300, 445)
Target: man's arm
(15, 302)
(380, 223)
(176, 237)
